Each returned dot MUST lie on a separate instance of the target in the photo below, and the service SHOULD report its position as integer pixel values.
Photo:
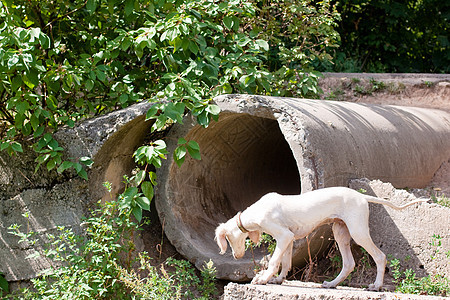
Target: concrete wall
(61, 200)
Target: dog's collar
(239, 223)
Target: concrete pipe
(264, 144)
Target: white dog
(288, 218)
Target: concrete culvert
(265, 144)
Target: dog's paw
(259, 279)
(328, 285)
(276, 280)
(374, 288)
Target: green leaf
(263, 44)
(175, 111)
(126, 43)
(143, 202)
(193, 145)
(64, 166)
(39, 131)
(139, 177)
(153, 112)
(89, 84)
(27, 81)
(160, 144)
(4, 146)
(100, 74)
(4, 285)
(137, 213)
(203, 119)
(228, 22)
(13, 61)
(83, 174)
(213, 109)
(194, 150)
(129, 7)
(16, 147)
(152, 176)
(123, 98)
(130, 193)
(193, 47)
(179, 155)
(22, 107)
(44, 40)
(51, 102)
(87, 161)
(16, 83)
(91, 5)
(147, 189)
(51, 164)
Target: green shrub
(407, 282)
(98, 263)
(62, 61)
(393, 36)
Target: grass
(442, 200)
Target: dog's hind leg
(342, 237)
(286, 264)
(361, 236)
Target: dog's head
(229, 231)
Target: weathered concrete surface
(408, 234)
(265, 144)
(296, 290)
(110, 140)
(54, 200)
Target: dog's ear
(254, 236)
(221, 239)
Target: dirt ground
(428, 94)
(432, 93)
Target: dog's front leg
(286, 264)
(284, 239)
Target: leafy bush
(98, 264)
(393, 36)
(61, 61)
(408, 283)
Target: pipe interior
(243, 158)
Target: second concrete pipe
(290, 146)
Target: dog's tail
(392, 205)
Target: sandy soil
(366, 90)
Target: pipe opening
(243, 158)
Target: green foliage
(393, 36)
(433, 284)
(61, 61)
(266, 240)
(407, 282)
(183, 283)
(98, 264)
(4, 285)
(441, 200)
